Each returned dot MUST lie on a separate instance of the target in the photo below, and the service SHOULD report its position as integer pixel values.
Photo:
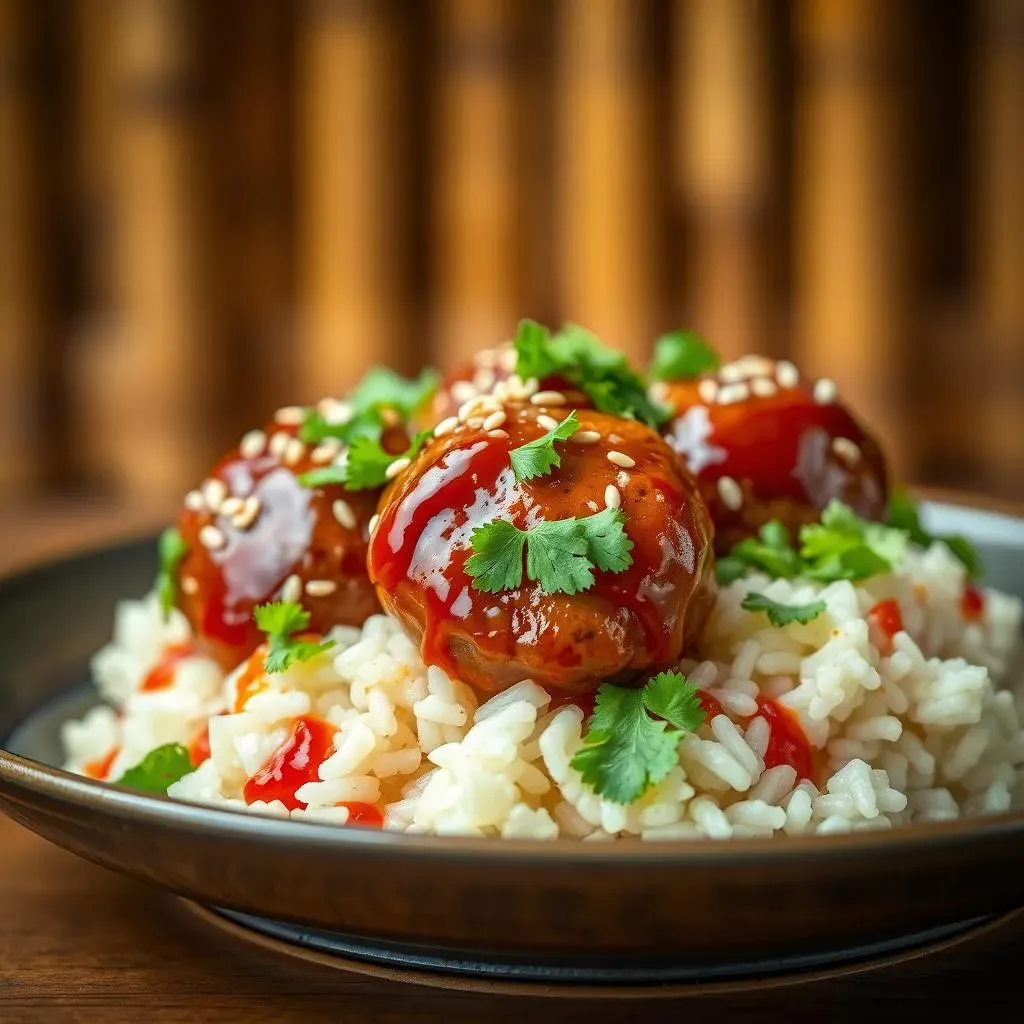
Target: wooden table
(78, 943)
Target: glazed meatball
(623, 625)
(766, 444)
(254, 534)
(490, 366)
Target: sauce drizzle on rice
(787, 743)
(161, 675)
(293, 764)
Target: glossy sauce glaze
(293, 764)
(772, 446)
(625, 624)
(787, 743)
(239, 558)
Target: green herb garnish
(172, 549)
(158, 769)
(561, 554)
(364, 466)
(280, 620)
(903, 515)
(626, 750)
(539, 457)
(682, 355)
(597, 370)
(783, 614)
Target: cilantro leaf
(625, 750)
(579, 357)
(498, 562)
(539, 457)
(903, 515)
(158, 769)
(681, 355)
(845, 547)
(382, 388)
(670, 695)
(783, 614)
(557, 557)
(365, 466)
(280, 620)
(770, 552)
(316, 428)
(561, 554)
(608, 546)
(172, 549)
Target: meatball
(766, 444)
(624, 625)
(254, 533)
(490, 366)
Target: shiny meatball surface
(256, 534)
(767, 444)
(625, 624)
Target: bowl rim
(212, 822)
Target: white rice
(919, 733)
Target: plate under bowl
(627, 910)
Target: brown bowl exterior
(621, 903)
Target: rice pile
(922, 732)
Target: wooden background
(209, 209)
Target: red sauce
(710, 704)
(252, 679)
(787, 743)
(972, 604)
(630, 620)
(161, 675)
(100, 768)
(366, 815)
(293, 764)
(199, 748)
(885, 620)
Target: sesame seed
(446, 426)
(334, 411)
(612, 497)
(730, 492)
(732, 373)
(846, 449)
(731, 394)
(763, 387)
(586, 437)
(547, 422)
(475, 406)
(189, 585)
(321, 588)
(232, 506)
(396, 467)
(756, 366)
(253, 445)
(290, 416)
(508, 358)
(278, 443)
(621, 459)
(548, 398)
(212, 538)
(658, 391)
(194, 501)
(825, 391)
(498, 433)
(486, 358)
(291, 589)
(326, 452)
(214, 493)
(707, 389)
(294, 452)
(787, 374)
(344, 514)
(244, 519)
(483, 379)
(391, 417)
(463, 391)
(372, 525)
(495, 420)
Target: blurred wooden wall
(207, 210)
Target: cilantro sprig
(904, 515)
(158, 769)
(364, 466)
(783, 614)
(840, 547)
(281, 620)
(629, 745)
(681, 355)
(539, 457)
(561, 555)
(171, 549)
(582, 359)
